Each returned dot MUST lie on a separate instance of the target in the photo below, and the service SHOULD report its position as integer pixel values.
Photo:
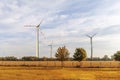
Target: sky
(65, 23)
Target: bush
(8, 58)
(30, 58)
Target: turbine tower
(51, 47)
(91, 43)
(37, 37)
(37, 41)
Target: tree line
(62, 54)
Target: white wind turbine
(91, 43)
(51, 47)
(37, 37)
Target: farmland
(68, 64)
(50, 73)
(52, 70)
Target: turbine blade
(29, 25)
(94, 34)
(41, 21)
(43, 34)
(88, 36)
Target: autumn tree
(62, 54)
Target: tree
(105, 58)
(80, 54)
(62, 54)
(117, 56)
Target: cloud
(65, 23)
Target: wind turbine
(51, 47)
(91, 42)
(37, 37)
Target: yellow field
(94, 64)
(40, 73)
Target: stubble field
(52, 73)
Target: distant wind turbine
(51, 47)
(91, 42)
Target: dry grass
(94, 64)
(40, 73)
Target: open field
(73, 64)
(50, 73)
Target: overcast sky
(66, 22)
